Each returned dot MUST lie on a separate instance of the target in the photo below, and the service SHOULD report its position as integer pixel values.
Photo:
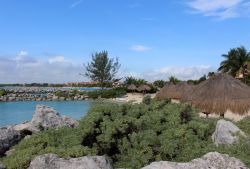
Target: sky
(51, 40)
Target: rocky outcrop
(8, 138)
(44, 118)
(52, 161)
(2, 166)
(212, 160)
(226, 133)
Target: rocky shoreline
(43, 94)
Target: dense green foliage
(146, 100)
(201, 79)
(102, 69)
(136, 81)
(159, 83)
(109, 93)
(2, 92)
(234, 61)
(132, 135)
(174, 80)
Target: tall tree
(234, 61)
(102, 69)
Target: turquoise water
(18, 112)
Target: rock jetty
(42, 94)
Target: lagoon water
(18, 112)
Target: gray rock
(212, 160)
(2, 166)
(46, 117)
(9, 153)
(226, 133)
(8, 138)
(52, 161)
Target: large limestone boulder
(226, 133)
(44, 118)
(212, 160)
(8, 138)
(52, 161)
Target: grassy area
(132, 135)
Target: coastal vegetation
(235, 60)
(102, 69)
(136, 81)
(95, 94)
(159, 83)
(2, 92)
(109, 93)
(138, 133)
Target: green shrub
(147, 99)
(2, 92)
(109, 93)
(61, 94)
(132, 135)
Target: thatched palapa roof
(132, 87)
(220, 93)
(143, 88)
(171, 91)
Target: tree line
(103, 69)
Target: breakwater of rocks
(43, 94)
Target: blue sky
(49, 40)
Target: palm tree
(234, 61)
(173, 80)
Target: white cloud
(76, 3)
(183, 73)
(28, 69)
(22, 53)
(222, 9)
(140, 48)
(57, 59)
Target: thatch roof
(132, 87)
(220, 93)
(172, 91)
(143, 88)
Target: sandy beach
(132, 97)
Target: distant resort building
(243, 72)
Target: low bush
(61, 94)
(108, 93)
(2, 92)
(147, 99)
(132, 135)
